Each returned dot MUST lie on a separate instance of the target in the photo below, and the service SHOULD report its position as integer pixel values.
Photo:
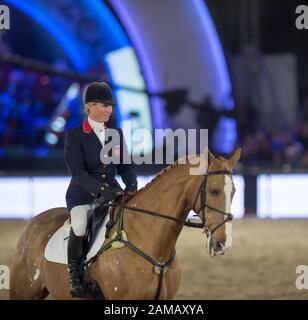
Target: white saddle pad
(56, 248)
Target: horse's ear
(235, 157)
(210, 155)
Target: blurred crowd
(28, 100)
(278, 147)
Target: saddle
(99, 216)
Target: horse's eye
(214, 192)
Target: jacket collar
(87, 127)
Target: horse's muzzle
(215, 247)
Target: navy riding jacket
(82, 155)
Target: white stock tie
(102, 137)
(99, 130)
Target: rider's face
(99, 112)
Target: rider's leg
(79, 220)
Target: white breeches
(80, 216)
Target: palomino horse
(123, 273)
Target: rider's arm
(126, 170)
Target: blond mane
(176, 163)
(165, 170)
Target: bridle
(119, 236)
(202, 193)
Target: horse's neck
(156, 235)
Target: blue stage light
(41, 16)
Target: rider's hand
(108, 193)
(130, 189)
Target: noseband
(202, 193)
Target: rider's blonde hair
(86, 108)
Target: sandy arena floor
(261, 265)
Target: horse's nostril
(220, 246)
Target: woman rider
(91, 179)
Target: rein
(204, 205)
(160, 268)
(159, 215)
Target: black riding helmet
(99, 91)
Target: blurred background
(237, 68)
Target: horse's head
(213, 202)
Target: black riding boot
(74, 256)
